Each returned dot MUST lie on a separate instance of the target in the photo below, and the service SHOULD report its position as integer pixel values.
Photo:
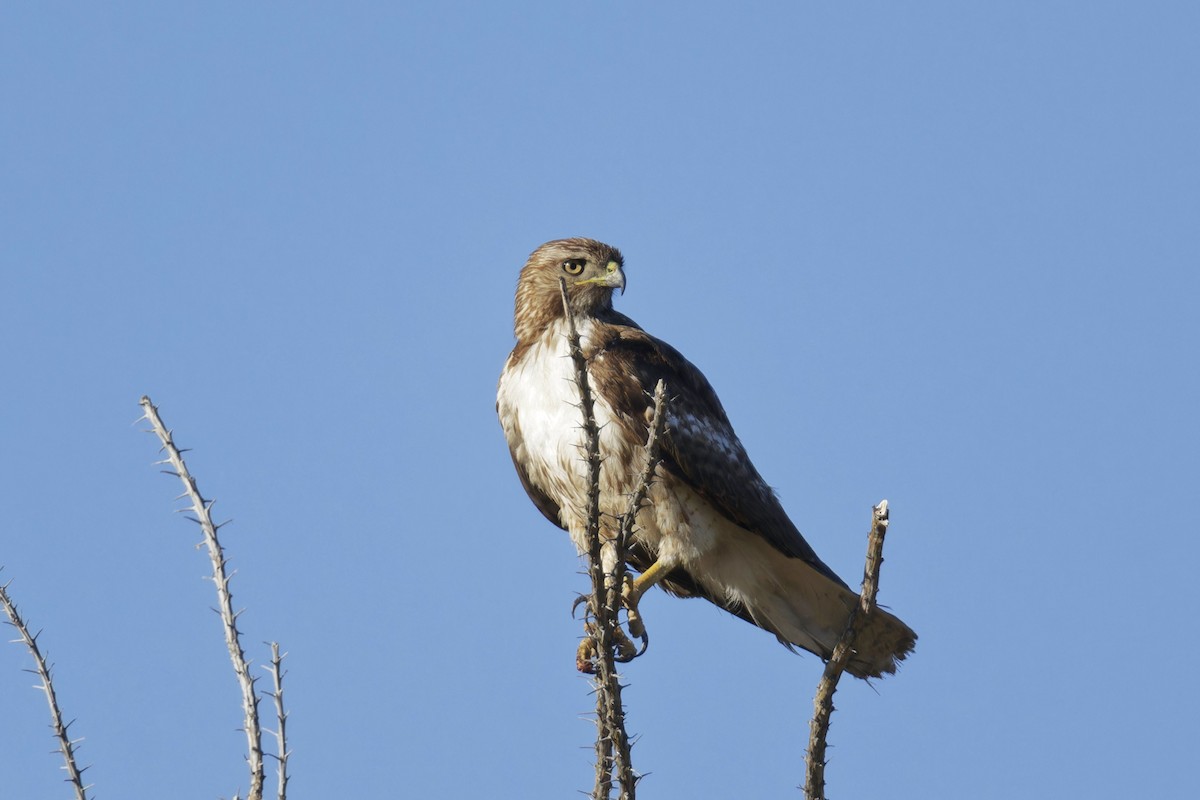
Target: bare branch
(201, 508)
(65, 745)
(602, 629)
(658, 425)
(277, 673)
(614, 711)
(814, 780)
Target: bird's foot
(586, 655)
(624, 648)
(631, 595)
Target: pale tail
(804, 608)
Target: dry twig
(277, 673)
(202, 509)
(604, 604)
(614, 710)
(66, 746)
(601, 627)
(814, 780)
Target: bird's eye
(574, 266)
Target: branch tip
(823, 708)
(201, 508)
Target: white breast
(538, 404)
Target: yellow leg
(633, 591)
(642, 583)
(631, 594)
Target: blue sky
(940, 253)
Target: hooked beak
(613, 277)
(616, 278)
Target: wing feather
(701, 447)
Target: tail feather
(805, 609)
(883, 641)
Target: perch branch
(814, 780)
(624, 763)
(658, 426)
(602, 629)
(202, 509)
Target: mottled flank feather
(712, 519)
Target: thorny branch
(604, 604)
(614, 710)
(600, 630)
(277, 673)
(66, 746)
(814, 779)
(202, 509)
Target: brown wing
(701, 447)
(543, 501)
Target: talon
(585, 656)
(627, 651)
(630, 596)
(624, 647)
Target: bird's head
(591, 269)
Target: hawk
(713, 527)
